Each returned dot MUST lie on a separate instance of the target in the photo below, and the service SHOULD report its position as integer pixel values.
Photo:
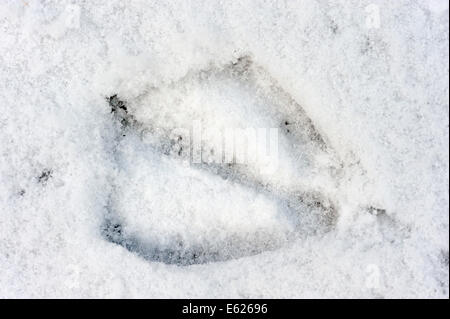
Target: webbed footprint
(170, 208)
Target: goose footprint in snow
(189, 187)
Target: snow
(97, 203)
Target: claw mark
(376, 211)
(116, 104)
(45, 176)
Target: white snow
(360, 212)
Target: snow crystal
(102, 193)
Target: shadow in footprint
(308, 211)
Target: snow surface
(97, 203)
